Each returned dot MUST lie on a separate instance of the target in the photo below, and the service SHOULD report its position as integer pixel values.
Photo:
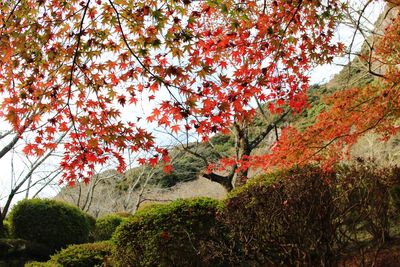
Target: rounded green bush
(83, 255)
(49, 222)
(105, 226)
(182, 233)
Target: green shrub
(52, 223)
(83, 255)
(181, 233)
(105, 226)
(283, 219)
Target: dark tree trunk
(243, 148)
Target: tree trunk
(242, 150)
(3, 232)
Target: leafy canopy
(70, 67)
(349, 114)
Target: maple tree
(350, 113)
(70, 67)
(223, 158)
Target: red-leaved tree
(75, 65)
(350, 113)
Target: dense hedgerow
(177, 234)
(366, 199)
(283, 219)
(49, 222)
(105, 226)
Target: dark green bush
(283, 219)
(177, 234)
(52, 223)
(105, 226)
(83, 255)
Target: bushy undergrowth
(309, 217)
(175, 234)
(49, 222)
(105, 226)
(283, 218)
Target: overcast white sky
(320, 74)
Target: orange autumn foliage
(350, 113)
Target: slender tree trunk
(242, 150)
(3, 232)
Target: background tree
(352, 112)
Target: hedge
(52, 223)
(182, 233)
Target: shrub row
(299, 217)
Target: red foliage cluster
(69, 67)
